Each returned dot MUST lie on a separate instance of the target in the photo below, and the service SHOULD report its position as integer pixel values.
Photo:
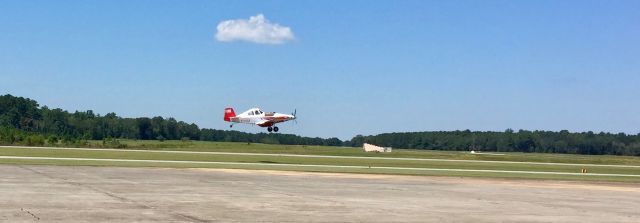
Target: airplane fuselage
(256, 116)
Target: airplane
(255, 116)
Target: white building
(373, 148)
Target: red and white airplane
(256, 116)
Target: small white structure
(373, 148)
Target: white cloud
(257, 30)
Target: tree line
(23, 121)
(510, 141)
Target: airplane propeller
(295, 118)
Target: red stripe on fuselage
(276, 119)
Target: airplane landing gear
(269, 129)
(231, 126)
(275, 128)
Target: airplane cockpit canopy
(255, 111)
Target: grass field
(351, 151)
(339, 159)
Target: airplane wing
(265, 123)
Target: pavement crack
(190, 218)
(30, 213)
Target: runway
(117, 194)
(326, 156)
(229, 164)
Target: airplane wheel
(275, 129)
(269, 129)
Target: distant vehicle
(255, 116)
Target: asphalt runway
(33, 193)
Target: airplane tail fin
(228, 114)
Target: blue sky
(353, 67)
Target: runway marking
(325, 156)
(315, 165)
